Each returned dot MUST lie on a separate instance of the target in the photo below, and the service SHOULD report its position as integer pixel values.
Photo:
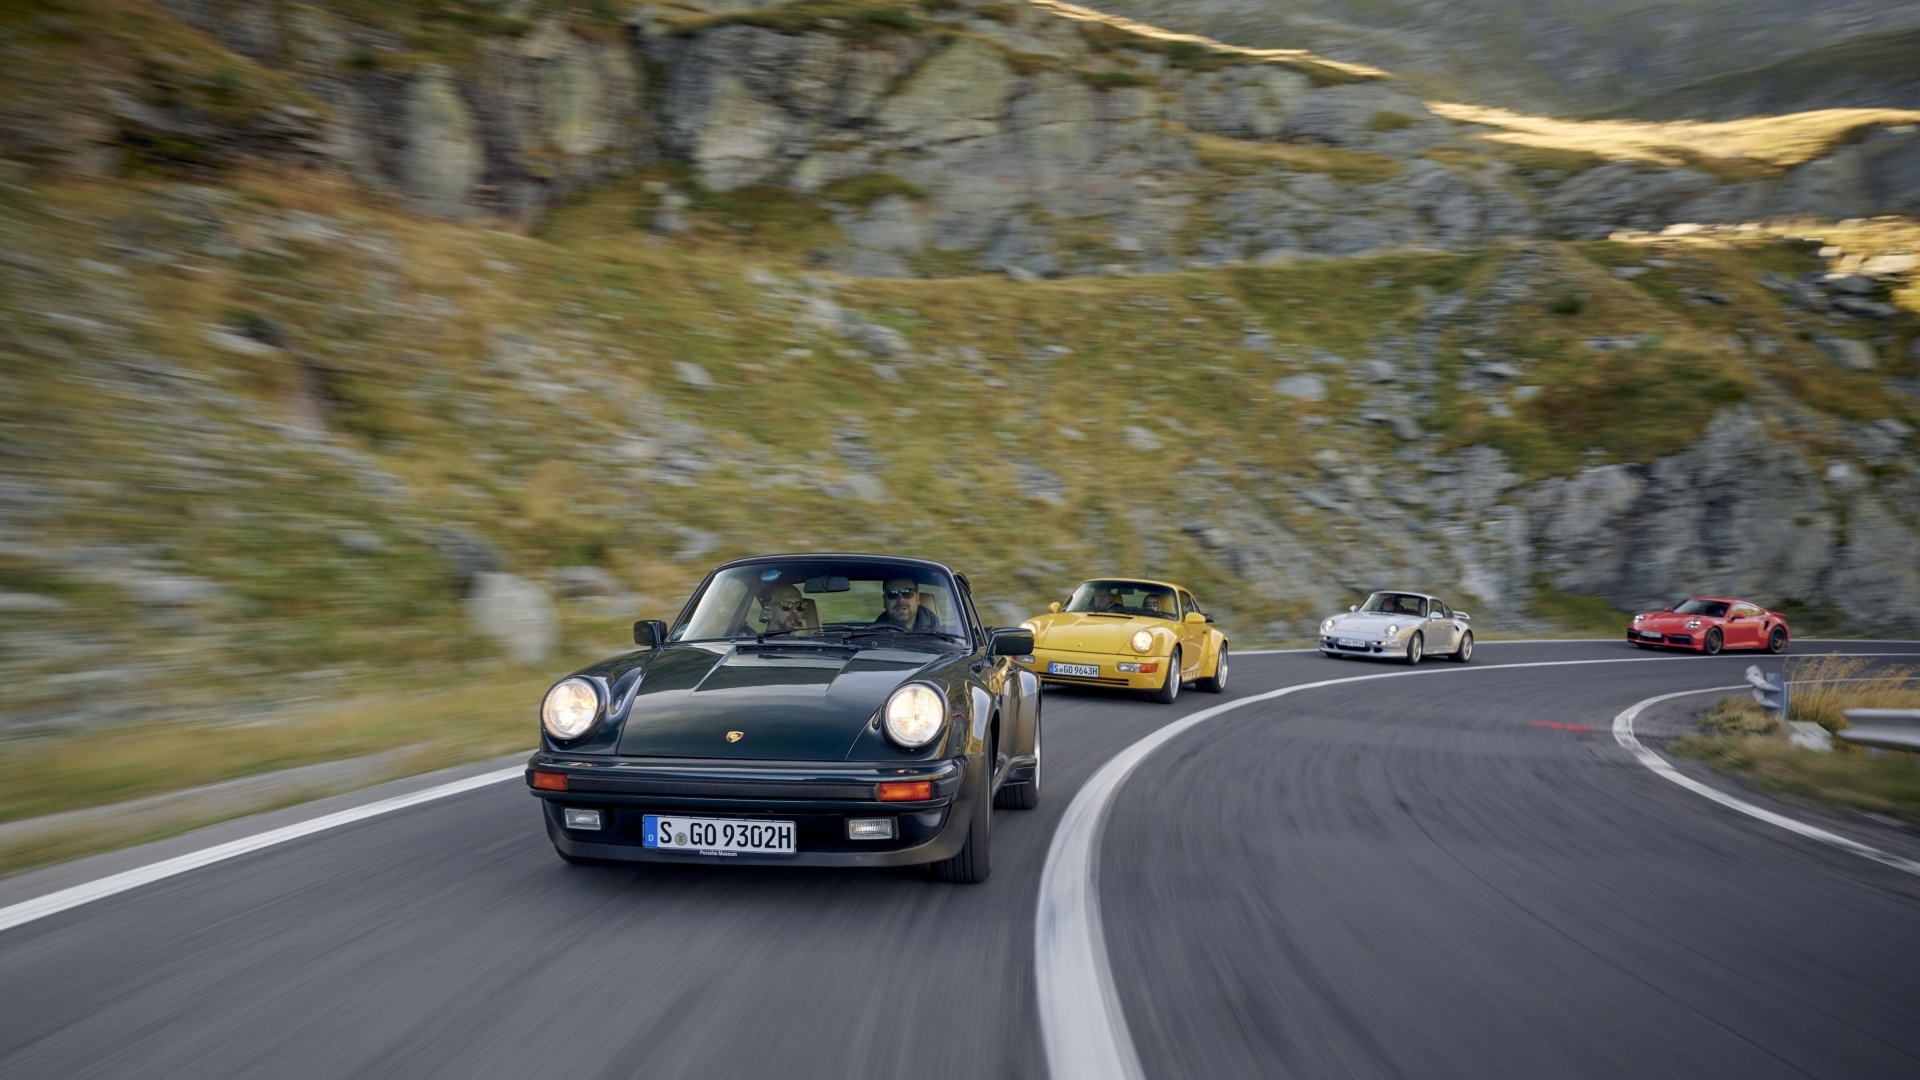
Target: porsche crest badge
(736, 736)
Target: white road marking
(1623, 734)
(53, 903)
(1082, 1024)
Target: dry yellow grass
(1765, 142)
(1295, 57)
(1243, 155)
(1824, 687)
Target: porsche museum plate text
(1085, 671)
(719, 836)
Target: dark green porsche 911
(824, 710)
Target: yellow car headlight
(1142, 641)
(914, 715)
(570, 708)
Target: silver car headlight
(1693, 624)
(570, 708)
(1393, 631)
(1142, 641)
(914, 715)
(1327, 627)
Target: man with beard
(904, 609)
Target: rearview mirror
(1195, 617)
(1010, 641)
(1054, 607)
(650, 632)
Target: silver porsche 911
(1399, 626)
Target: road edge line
(53, 903)
(1623, 734)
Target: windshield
(1710, 608)
(1395, 603)
(1125, 598)
(803, 598)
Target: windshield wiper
(763, 635)
(871, 630)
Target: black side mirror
(1209, 618)
(1010, 641)
(650, 632)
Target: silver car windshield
(1393, 603)
(810, 597)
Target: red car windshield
(1713, 609)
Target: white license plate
(1352, 643)
(1084, 671)
(719, 836)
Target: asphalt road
(1398, 878)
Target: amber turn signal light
(550, 781)
(905, 791)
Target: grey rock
(1305, 387)
(692, 374)
(585, 582)
(514, 613)
(21, 603)
(1140, 438)
(444, 158)
(1849, 353)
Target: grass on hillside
(1885, 60)
(1243, 156)
(1735, 149)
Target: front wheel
(1416, 648)
(1712, 642)
(1170, 689)
(974, 861)
(1465, 652)
(1026, 794)
(1217, 683)
(1777, 641)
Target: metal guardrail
(1770, 693)
(1888, 729)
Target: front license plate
(1352, 643)
(719, 836)
(1084, 671)
(1648, 635)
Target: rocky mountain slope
(285, 410)
(1550, 55)
(1869, 71)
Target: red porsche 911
(1707, 624)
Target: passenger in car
(784, 609)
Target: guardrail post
(1772, 693)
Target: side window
(1188, 605)
(1441, 611)
(974, 631)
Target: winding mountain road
(1457, 873)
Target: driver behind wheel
(904, 609)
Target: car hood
(1073, 631)
(1664, 621)
(789, 702)
(1370, 622)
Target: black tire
(1465, 652)
(1777, 641)
(1416, 648)
(1217, 682)
(1710, 645)
(974, 861)
(1024, 795)
(1170, 689)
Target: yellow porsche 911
(1141, 635)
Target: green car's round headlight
(570, 708)
(914, 715)
(1142, 641)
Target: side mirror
(1010, 641)
(650, 632)
(1054, 607)
(1669, 607)
(1195, 617)
(1353, 607)
(1209, 618)
(1463, 616)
